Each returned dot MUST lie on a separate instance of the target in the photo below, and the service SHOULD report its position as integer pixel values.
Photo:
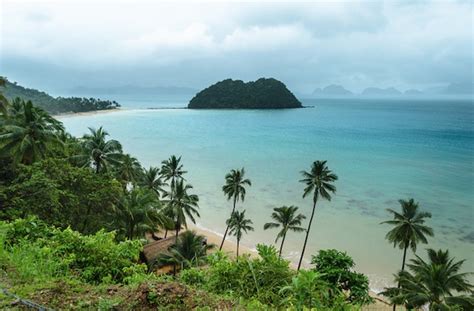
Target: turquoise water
(382, 151)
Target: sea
(382, 151)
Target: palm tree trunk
(227, 229)
(403, 268)
(238, 242)
(307, 233)
(166, 233)
(97, 167)
(281, 246)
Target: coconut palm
(182, 205)
(234, 189)
(172, 169)
(139, 212)
(436, 282)
(100, 152)
(318, 182)
(128, 170)
(190, 250)
(286, 218)
(152, 180)
(238, 225)
(28, 133)
(408, 228)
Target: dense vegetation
(55, 105)
(236, 94)
(76, 212)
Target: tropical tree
(182, 205)
(190, 250)
(238, 225)
(408, 228)
(139, 212)
(437, 282)
(3, 100)
(172, 169)
(100, 152)
(234, 189)
(128, 170)
(319, 182)
(152, 180)
(286, 218)
(28, 133)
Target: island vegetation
(76, 214)
(236, 94)
(55, 105)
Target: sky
(57, 45)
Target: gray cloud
(358, 44)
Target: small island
(236, 94)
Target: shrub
(336, 268)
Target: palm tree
(3, 100)
(182, 205)
(287, 219)
(99, 152)
(434, 282)
(151, 179)
(28, 133)
(172, 169)
(189, 250)
(139, 212)
(318, 182)
(128, 170)
(238, 224)
(234, 188)
(408, 228)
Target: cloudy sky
(55, 45)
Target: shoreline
(87, 113)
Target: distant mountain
(55, 105)
(459, 89)
(332, 90)
(134, 90)
(236, 94)
(375, 91)
(413, 92)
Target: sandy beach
(86, 113)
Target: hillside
(236, 94)
(56, 105)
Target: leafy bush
(336, 269)
(94, 258)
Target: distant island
(56, 105)
(236, 94)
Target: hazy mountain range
(453, 89)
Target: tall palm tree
(128, 170)
(99, 151)
(239, 225)
(189, 250)
(182, 205)
(28, 133)
(139, 212)
(152, 180)
(172, 169)
(318, 181)
(436, 282)
(286, 218)
(234, 189)
(408, 228)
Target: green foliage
(62, 195)
(54, 252)
(58, 104)
(307, 289)
(336, 268)
(233, 94)
(193, 276)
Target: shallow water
(382, 151)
